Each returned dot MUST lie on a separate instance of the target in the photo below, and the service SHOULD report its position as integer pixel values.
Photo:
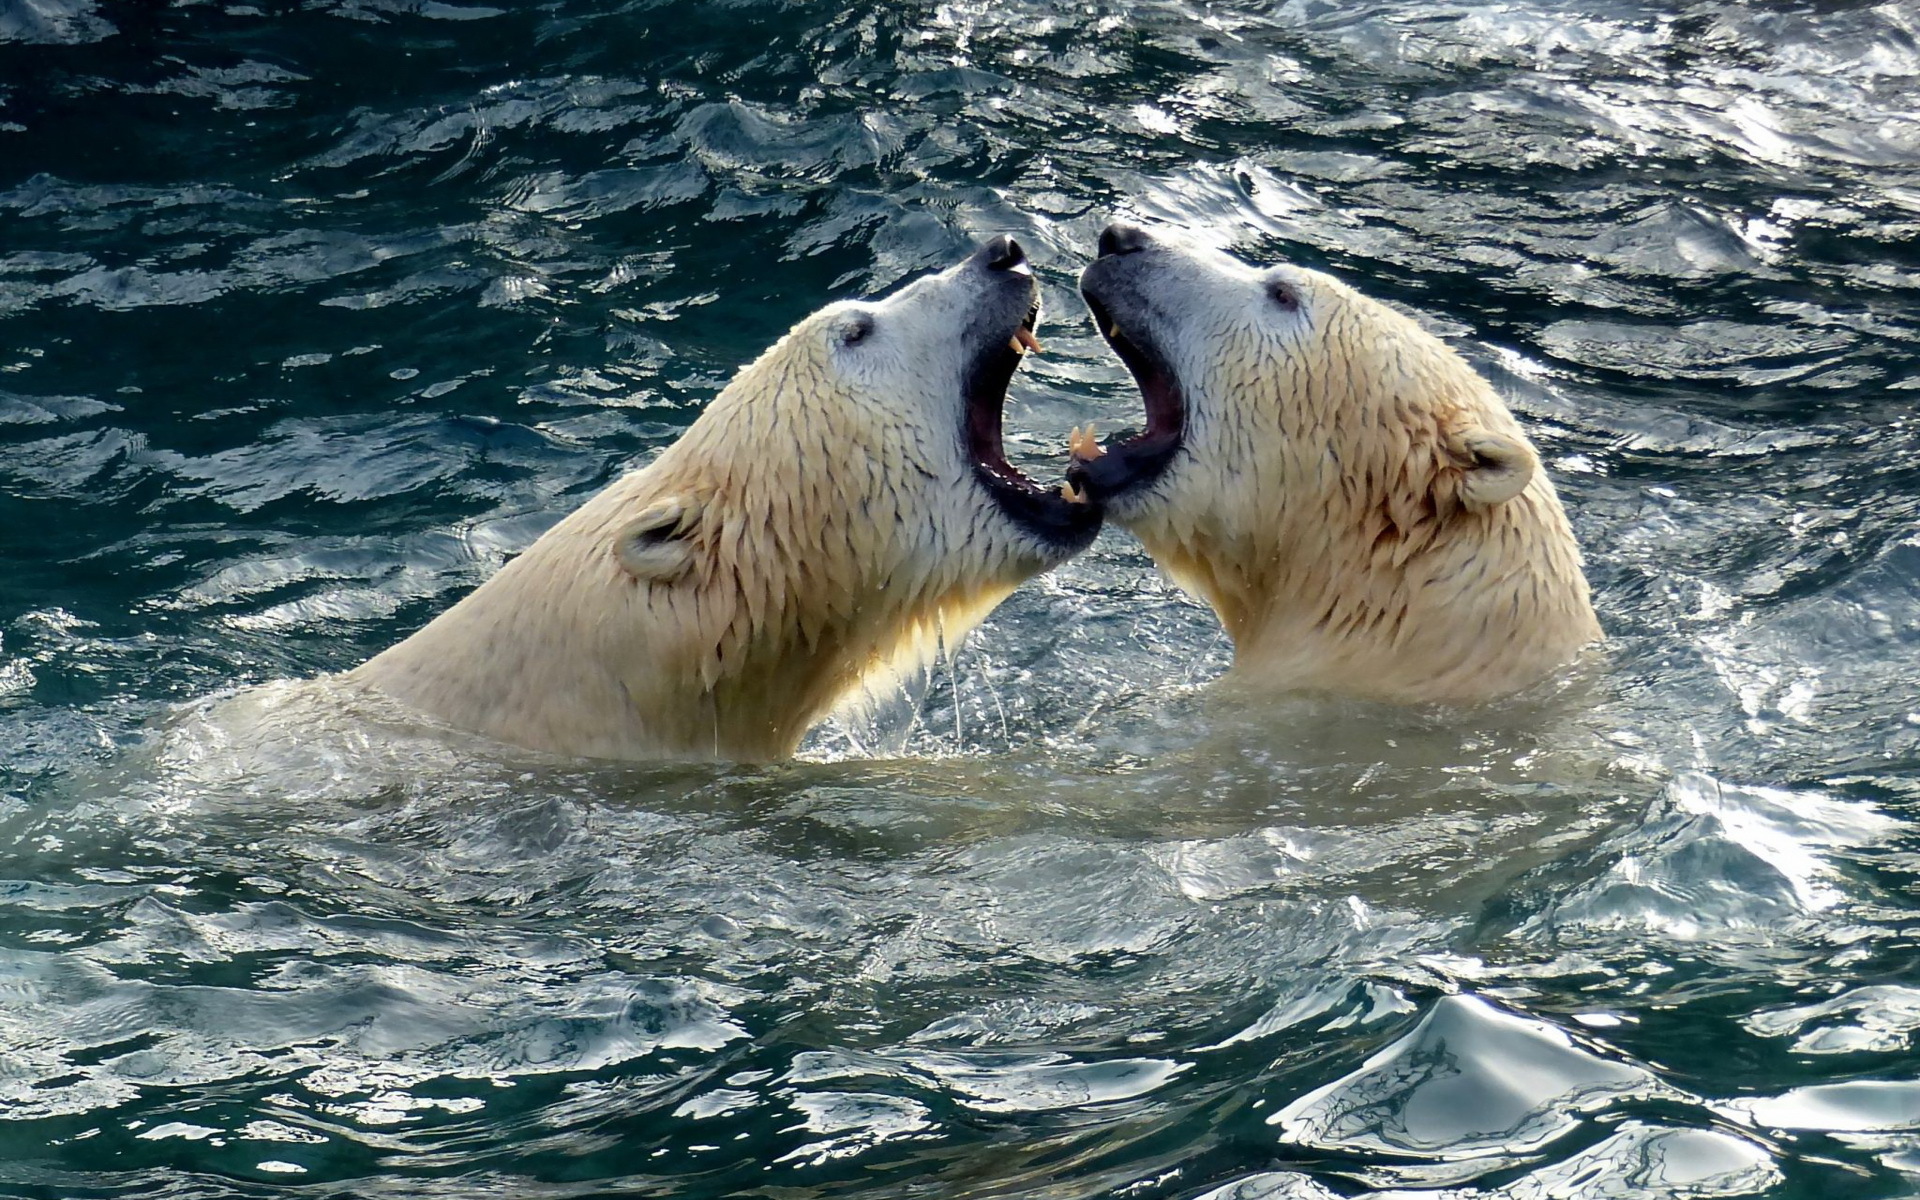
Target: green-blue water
(312, 313)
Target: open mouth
(1128, 463)
(1062, 514)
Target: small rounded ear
(654, 545)
(1498, 467)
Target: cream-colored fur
(1354, 501)
(818, 522)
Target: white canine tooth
(1084, 444)
(1113, 329)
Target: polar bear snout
(1004, 306)
(1120, 238)
(1002, 253)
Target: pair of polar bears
(1354, 501)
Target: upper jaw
(999, 338)
(1122, 471)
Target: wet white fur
(818, 524)
(1354, 501)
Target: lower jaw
(1122, 477)
(1063, 527)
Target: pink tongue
(1025, 337)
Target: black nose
(1122, 238)
(1003, 254)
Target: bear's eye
(856, 329)
(1283, 294)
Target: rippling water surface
(312, 314)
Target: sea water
(312, 314)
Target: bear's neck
(1488, 604)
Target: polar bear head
(866, 445)
(845, 501)
(1351, 497)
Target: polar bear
(1354, 501)
(843, 502)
